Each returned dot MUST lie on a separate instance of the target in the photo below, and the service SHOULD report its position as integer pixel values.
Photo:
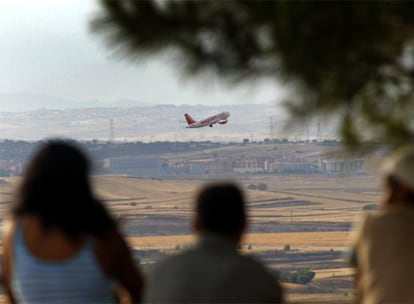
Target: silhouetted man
(213, 271)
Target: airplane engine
(222, 122)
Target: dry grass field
(298, 222)
(258, 241)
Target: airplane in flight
(220, 118)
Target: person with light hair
(383, 243)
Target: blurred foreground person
(213, 271)
(383, 244)
(62, 246)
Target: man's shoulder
(174, 259)
(388, 217)
(254, 264)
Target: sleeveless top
(78, 279)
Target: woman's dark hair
(56, 188)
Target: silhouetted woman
(63, 246)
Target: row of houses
(156, 165)
(10, 167)
(267, 165)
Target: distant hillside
(152, 123)
(32, 102)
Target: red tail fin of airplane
(189, 119)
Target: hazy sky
(47, 48)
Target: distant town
(276, 156)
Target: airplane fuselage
(220, 118)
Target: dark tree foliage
(353, 60)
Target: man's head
(220, 209)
